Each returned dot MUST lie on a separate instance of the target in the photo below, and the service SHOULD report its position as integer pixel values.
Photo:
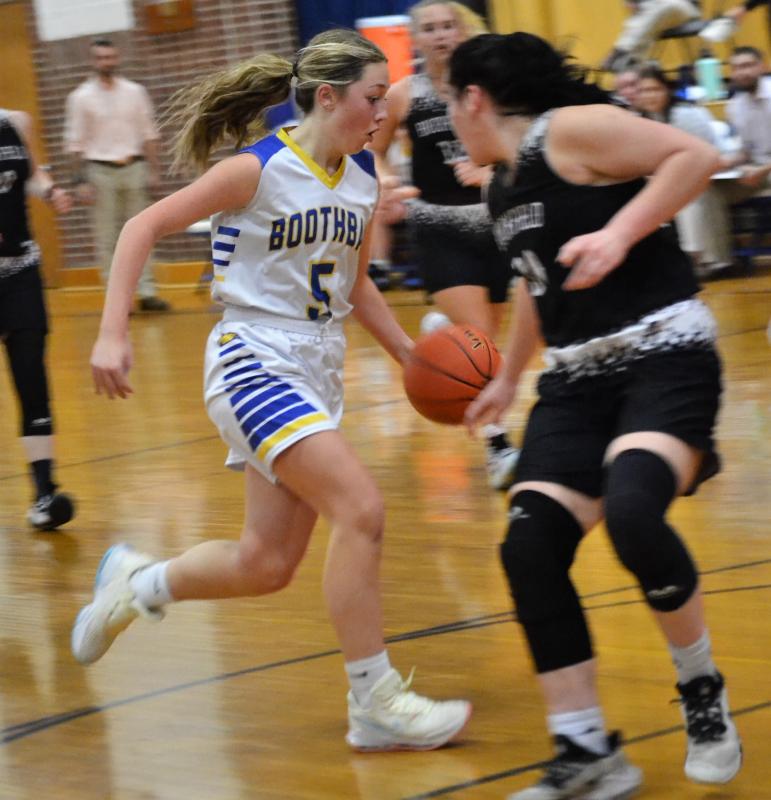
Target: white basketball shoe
(114, 606)
(714, 748)
(399, 719)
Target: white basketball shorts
(266, 387)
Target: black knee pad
(639, 488)
(26, 356)
(537, 554)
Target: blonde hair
(230, 105)
(470, 23)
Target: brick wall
(227, 31)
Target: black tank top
(537, 212)
(435, 147)
(14, 171)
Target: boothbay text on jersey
(328, 223)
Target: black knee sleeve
(537, 554)
(639, 488)
(26, 355)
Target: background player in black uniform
(23, 323)
(449, 225)
(627, 404)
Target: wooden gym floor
(246, 699)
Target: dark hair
(655, 73)
(746, 50)
(522, 73)
(102, 42)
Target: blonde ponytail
(227, 105)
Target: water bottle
(709, 76)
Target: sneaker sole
(404, 746)
(735, 767)
(110, 633)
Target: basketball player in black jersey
(23, 322)
(449, 225)
(627, 404)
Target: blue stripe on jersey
(220, 262)
(246, 390)
(238, 360)
(242, 371)
(265, 149)
(236, 346)
(262, 397)
(228, 248)
(271, 426)
(224, 229)
(262, 408)
(366, 160)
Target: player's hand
(60, 200)
(110, 364)
(85, 193)
(392, 207)
(469, 174)
(491, 403)
(591, 257)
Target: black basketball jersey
(536, 212)
(14, 171)
(435, 147)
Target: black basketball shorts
(22, 305)
(454, 246)
(573, 422)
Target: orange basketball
(447, 370)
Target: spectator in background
(112, 137)
(700, 224)
(648, 19)
(625, 88)
(749, 113)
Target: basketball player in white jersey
(289, 247)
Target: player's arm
(40, 183)
(374, 314)
(583, 147)
(524, 339)
(229, 185)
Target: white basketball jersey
(293, 251)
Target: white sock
(586, 728)
(365, 673)
(695, 660)
(151, 586)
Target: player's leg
(383, 713)
(647, 470)
(25, 325)
(546, 524)
(277, 527)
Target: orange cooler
(392, 35)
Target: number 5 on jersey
(316, 271)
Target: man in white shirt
(749, 113)
(111, 135)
